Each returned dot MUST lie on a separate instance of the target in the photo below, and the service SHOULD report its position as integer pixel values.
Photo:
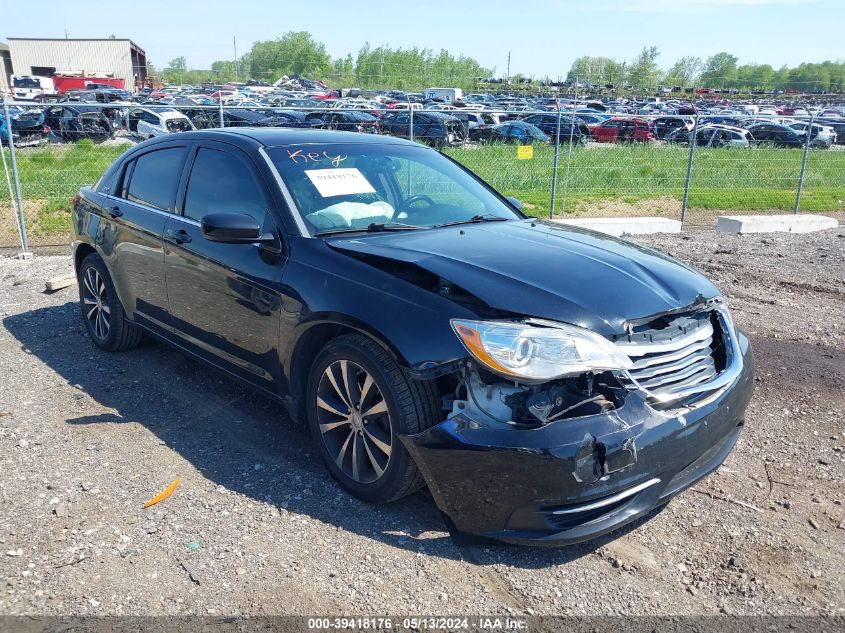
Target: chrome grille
(676, 360)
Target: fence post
(411, 115)
(557, 157)
(569, 154)
(12, 202)
(25, 254)
(693, 137)
(803, 166)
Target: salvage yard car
(547, 383)
(27, 127)
(156, 121)
(622, 130)
(352, 121)
(712, 136)
(548, 123)
(821, 136)
(76, 121)
(776, 135)
(518, 132)
(434, 128)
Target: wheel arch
(314, 336)
(82, 251)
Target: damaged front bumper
(576, 479)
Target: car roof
(720, 126)
(442, 115)
(771, 124)
(271, 137)
(631, 119)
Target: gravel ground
(258, 527)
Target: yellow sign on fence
(524, 152)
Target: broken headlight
(537, 351)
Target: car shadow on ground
(245, 442)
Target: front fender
(411, 322)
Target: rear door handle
(115, 212)
(177, 236)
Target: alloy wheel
(354, 421)
(95, 300)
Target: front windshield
(25, 82)
(339, 187)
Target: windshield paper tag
(339, 182)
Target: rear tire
(356, 421)
(103, 315)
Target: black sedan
(78, 121)
(665, 125)
(209, 117)
(438, 129)
(518, 132)
(406, 312)
(276, 117)
(348, 121)
(548, 123)
(776, 135)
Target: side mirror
(233, 228)
(516, 204)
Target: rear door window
(155, 178)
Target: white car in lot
(150, 122)
(822, 136)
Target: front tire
(359, 402)
(103, 315)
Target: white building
(110, 57)
(5, 68)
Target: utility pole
(508, 77)
(235, 45)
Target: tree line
(297, 52)
(718, 71)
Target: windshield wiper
(392, 226)
(476, 219)
(372, 228)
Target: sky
(542, 36)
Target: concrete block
(626, 226)
(800, 223)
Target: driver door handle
(179, 236)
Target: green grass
(51, 175)
(602, 180)
(602, 176)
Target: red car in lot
(621, 130)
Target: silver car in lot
(714, 135)
(151, 122)
(821, 136)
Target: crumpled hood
(546, 270)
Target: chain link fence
(689, 168)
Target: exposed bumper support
(579, 478)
